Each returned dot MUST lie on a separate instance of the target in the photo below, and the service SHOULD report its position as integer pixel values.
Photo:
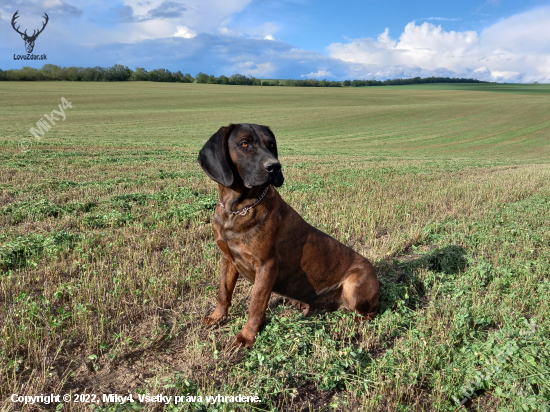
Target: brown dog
(266, 241)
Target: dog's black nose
(272, 167)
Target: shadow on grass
(399, 276)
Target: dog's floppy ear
(272, 135)
(214, 157)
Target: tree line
(119, 72)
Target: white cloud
(52, 3)
(262, 69)
(321, 74)
(514, 49)
(228, 32)
(427, 46)
(207, 15)
(503, 76)
(185, 32)
(245, 65)
(264, 31)
(249, 68)
(443, 18)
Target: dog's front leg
(261, 292)
(228, 279)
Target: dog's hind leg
(361, 292)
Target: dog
(267, 242)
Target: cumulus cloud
(424, 48)
(156, 19)
(321, 74)
(227, 32)
(252, 69)
(514, 49)
(207, 15)
(185, 32)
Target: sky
(492, 40)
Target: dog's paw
(301, 306)
(212, 320)
(241, 340)
(365, 317)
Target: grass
(108, 262)
(512, 88)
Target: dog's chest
(245, 241)
(240, 249)
(240, 256)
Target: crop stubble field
(108, 262)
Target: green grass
(513, 88)
(381, 121)
(108, 263)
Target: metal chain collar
(245, 210)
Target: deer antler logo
(29, 40)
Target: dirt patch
(484, 402)
(310, 398)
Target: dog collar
(244, 210)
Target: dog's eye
(271, 145)
(244, 144)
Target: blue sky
(496, 40)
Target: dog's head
(242, 154)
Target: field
(108, 263)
